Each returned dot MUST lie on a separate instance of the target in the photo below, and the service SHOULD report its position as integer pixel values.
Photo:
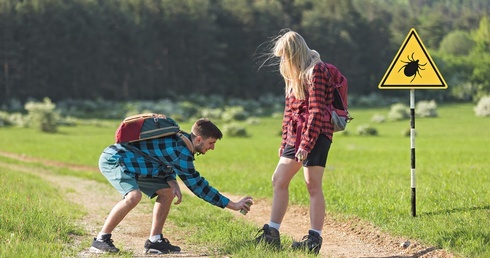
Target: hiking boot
(161, 246)
(269, 236)
(103, 245)
(311, 242)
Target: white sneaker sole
(96, 251)
(156, 251)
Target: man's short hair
(206, 129)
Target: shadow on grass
(455, 210)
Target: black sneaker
(269, 236)
(162, 246)
(104, 245)
(311, 242)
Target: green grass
(369, 177)
(366, 177)
(77, 145)
(34, 219)
(225, 233)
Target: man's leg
(103, 242)
(120, 211)
(124, 183)
(161, 210)
(160, 245)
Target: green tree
(457, 43)
(358, 46)
(481, 58)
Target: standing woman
(306, 136)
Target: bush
(97, 108)
(398, 112)
(211, 113)
(186, 109)
(253, 121)
(483, 107)
(277, 114)
(19, 120)
(457, 42)
(371, 100)
(234, 130)
(68, 121)
(426, 109)
(367, 130)
(42, 115)
(377, 118)
(4, 119)
(237, 113)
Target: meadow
(367, 177)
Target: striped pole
(412, 150)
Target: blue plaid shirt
(172, 151)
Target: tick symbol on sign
(412, 67)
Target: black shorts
(317, 156)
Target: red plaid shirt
(310, 112)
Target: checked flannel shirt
(172, 151)
(313, 110)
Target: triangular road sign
(412, 67)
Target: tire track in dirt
(353, 238)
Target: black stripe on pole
(412, 118)
(414, 209)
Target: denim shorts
(317, 156)
(125, 182)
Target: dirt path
(350, 239)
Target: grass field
(35, 220)
(366, 177)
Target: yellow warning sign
(412, 68)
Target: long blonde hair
(296, 63)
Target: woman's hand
(175, 190)
(301, 155)
(281, 150)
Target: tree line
(153, 49)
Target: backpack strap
(187, 141)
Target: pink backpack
(338, 111)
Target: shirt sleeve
(317, 106)
(198, 184)
(285, 121)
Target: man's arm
(197, 184)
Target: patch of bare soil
(354, 238)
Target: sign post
(412, 152)
(412, 68)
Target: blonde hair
(296, 63)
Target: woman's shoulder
(321, 69)
(320, 66)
